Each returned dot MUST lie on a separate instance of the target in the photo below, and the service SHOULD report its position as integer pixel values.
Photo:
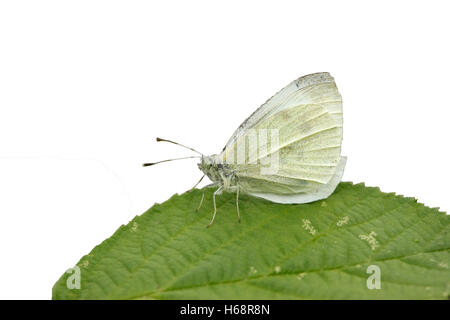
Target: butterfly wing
(299, 192)
(307, 117)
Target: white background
(86, 86)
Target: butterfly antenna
(178, 144)
(153, 163)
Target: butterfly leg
(237, 204)
(215, 208)
(201, 200)
(196, 184)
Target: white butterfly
(287, 151)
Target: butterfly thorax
(219, 173)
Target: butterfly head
(218, 172)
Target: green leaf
(320, 250)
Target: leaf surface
(320, 250)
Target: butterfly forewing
(312, 88)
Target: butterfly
(287, 151)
